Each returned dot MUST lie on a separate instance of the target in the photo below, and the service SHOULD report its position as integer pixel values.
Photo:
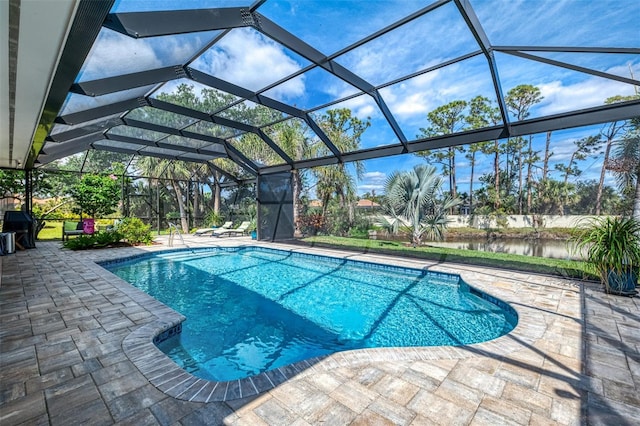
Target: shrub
(312, 224)
(213, 219)
(135, 231)
(337, 221)
(360, 228)
(105, 238)
(97, 240)
(82, 242)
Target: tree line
(520, 180)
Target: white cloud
(115, 54)
(418, 44)
(372, 181)
(246, 58)
(410, 104)
(377, 177)
(362, 107)
(562, 151)
(554, 23)
(560, 96)
(411, 100)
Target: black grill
(23, 225)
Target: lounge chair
(203, 231)
(240, 230)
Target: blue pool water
(250, 310)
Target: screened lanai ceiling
(218, 83)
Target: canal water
(557, 249)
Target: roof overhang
(31, 41)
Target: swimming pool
(250, 309)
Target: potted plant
(252, 229)
(611, 245)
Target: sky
(248, 58)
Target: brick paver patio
(74, 351)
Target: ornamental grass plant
(611, 246)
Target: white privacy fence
(518, 221)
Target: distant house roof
(364, 203)
(315, 203)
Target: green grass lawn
(52, 231)
(561, 267)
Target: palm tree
(413, 195)
(626, 164)
(345, 131)
(554, 195)
(290, 137)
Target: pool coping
(172, 380)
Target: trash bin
(8, 242)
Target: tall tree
(545, 167)
(547, 156)
(483, 114)
(519, 101)
(345, 131)
(626, 164)
(444, 120)
(610, 131)
(209, 101)
(583, 149)
(290, 136)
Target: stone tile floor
(65, 323)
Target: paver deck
(73, 335)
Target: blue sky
(248, 58)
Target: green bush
(82, 242)
(105, 238)
(135, 231)
(338, 222)
(312, 224)
(360, 228)
(99, 239)
(213, 219)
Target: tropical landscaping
(415, 204)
